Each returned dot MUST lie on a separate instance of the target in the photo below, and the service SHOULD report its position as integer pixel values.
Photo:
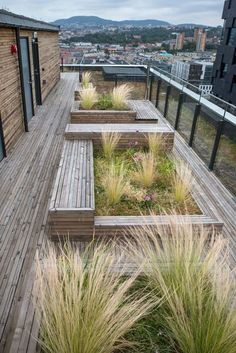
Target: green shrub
(104, 102)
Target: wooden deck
(26, 183)
(26, 180)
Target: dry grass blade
(182, 182)
(146, 173)
(114, 183)
(190, 268)
(85, 304)
(120, 96)
(86, 79)
(88, 98)
(110, 141)
(155, 143)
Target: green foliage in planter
(139, 196)
(104, 102)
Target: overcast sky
(173, 11)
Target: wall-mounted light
(13, 49)
(35, 35)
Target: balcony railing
(207, 123)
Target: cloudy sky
(173, 11)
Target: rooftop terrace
(27, 176)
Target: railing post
(62, 64)
(167, 99)
(195, 117)
(116, 80)
(158, 92)
(216, 144)
(151, 87)
(181, 99)
(147, 82)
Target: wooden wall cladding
(10, 89)
(49, 61)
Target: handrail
(182, 85)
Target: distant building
(224, 72)
(179, 41)
(198, 73)
(206, 76)
(200, 36)
(188, 71)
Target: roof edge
(10, 19)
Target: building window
(233, 83)
(223, 70)
(232, 37)
(234, 58)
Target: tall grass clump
(182, 182)
(191, 270)
(114, 183)
(84, 304)
(88, 98)
(120, 96)
(110, 141)
(155, 143)
(146, 173)
(86, 79)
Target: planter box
(81, 116)
(72, 209)
(141, 111)
(131, 135)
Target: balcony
(204, 138)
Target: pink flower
(147, 198)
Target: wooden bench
(146, 111)
(110, 226)
(131, 135)
(72, 206)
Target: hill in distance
(97, 21)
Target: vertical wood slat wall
(10, 87)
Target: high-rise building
(200, 36)
(196, 31)
(179, 41)
(224, 72)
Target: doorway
(37, 82)
(2, 145)
(26, 76)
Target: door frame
(18, 37)
(2, 140)
(36, 66)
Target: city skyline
(206, 12)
